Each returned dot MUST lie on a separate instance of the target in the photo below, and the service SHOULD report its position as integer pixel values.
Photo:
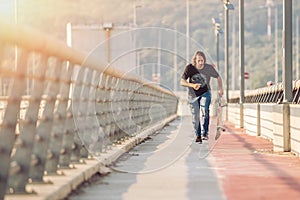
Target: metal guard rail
(270, 94)
(57, 107)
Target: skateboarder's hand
(221, 93)
(196, 86)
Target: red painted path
(249, 169)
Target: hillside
(51, 17)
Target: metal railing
(58, 106)
(266, 113)
(270, 94)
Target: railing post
(45, 124)
(281, 127)
(95, 130)
(241, 121)
(69, 130)
(258, 125)
(101, 99)
(19, 179)
(82, 121)
(7, 131)
(286, 128)
(59, 118)
(76, 91)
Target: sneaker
(204, 137)
(198, 139)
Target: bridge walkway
(170, 165)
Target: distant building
(111, 45)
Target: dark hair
(198, 53)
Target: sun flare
(7, 10)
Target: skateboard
(220, 123)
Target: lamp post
(269, 4)
(16, 48)
(187, 29)
(135, 6)
(107, 28)
(297, 48)
(134, 26)
(287, 51)
(175, 59)
(227, 6)
(276, 45)
(158, 56)
(16, 22)
(241, 61)
(218, 31)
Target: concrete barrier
(281, 127)
(276, 122)
(252, 119)
(295, 128)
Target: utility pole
(233, 72)
(276, 44)
(187, 30)
(269, 4)
(287, 50)
(175, 59)
(134, 25)
(226, 42)
(297, 48)
(241, 62)
(227, 6)
(107, 28)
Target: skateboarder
(196, 77)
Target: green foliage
(51, 16)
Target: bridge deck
(169, 165)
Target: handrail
(22, 36)
(70, 107)
(269, 94)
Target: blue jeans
(198, 104)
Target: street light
(107, 28)
(135, 6)
(16, 22)
(287, 48)
(227, 6)
(218, 31)
(241, 61)
(134, 26)
(187, 29)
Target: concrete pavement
(60, 185)
(171, 166)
